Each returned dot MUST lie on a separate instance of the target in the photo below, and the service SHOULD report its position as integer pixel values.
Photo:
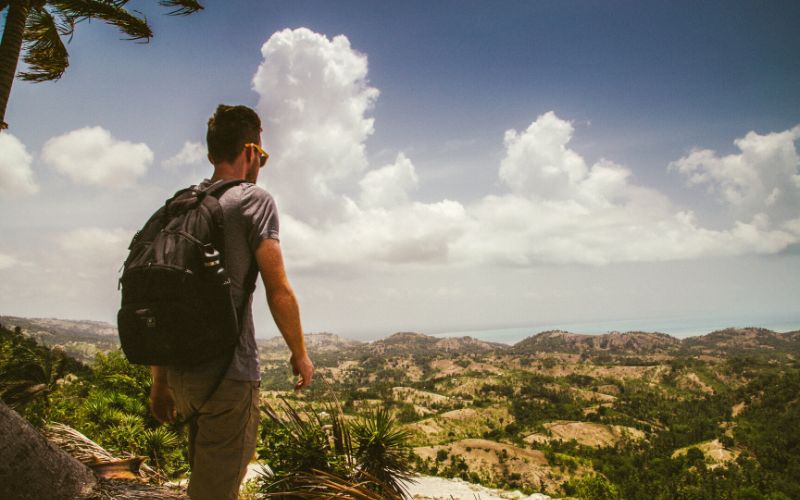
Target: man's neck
(226, 171)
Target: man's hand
(302, 365)
(162, 403)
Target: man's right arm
(284, 308)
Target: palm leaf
(17, 395)
(321, 484)
(110, 11)
(181, 7)
(383, 452)
(342, 440)
(375, 468)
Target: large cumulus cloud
(762, 179)
(316, 100)
(560, 209)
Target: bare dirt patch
(417, 396)
(459, 424)
(492, 460)
(610, 389)
(692, 382)
(446, 367)
(462, 414)
(408, 366)
(470, 386)
(586, 433)
(716, 454)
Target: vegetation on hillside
(702, 421)
(310, 452)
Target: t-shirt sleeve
(261, 216)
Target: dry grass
(585, 433)
(459, 424)
(691, 381)
(716, 454)
(419, 397)
(492, 460)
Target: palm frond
(383, 451)
(356, 459)
(110, 11)
(181, 7)
(321, 484)
(17, 395)
(342, 440)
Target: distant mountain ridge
(727, 341)
(615, 342)
(78, 334)
(315, 342)
(739, 340)
(411, 342)
(61, 326)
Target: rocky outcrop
(33, 468)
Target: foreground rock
(31, 467)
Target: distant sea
(679, 328)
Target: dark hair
(229, 129)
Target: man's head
(229, 129)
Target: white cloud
(417, 232)
(92, 156)
(192, 153)
(95, 242)
(16, 174)
(93, 252)
(69, 274)
(562, 211)
(7, 261)
(388, 186)
(537, 161)
(763, 178)
(314, 99)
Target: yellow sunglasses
(263, 156)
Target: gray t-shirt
(250, 217)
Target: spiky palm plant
(162, 446)
(383, 452)
(39, 27)
(29, 375)
(316, 454)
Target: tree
(596, 487)
(38, 26)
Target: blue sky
(638, 85)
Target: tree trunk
(32, 468)
(9, 51)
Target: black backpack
(177, 308)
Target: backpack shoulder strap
(218, 188)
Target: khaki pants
(222, 436)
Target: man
(222, 433)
